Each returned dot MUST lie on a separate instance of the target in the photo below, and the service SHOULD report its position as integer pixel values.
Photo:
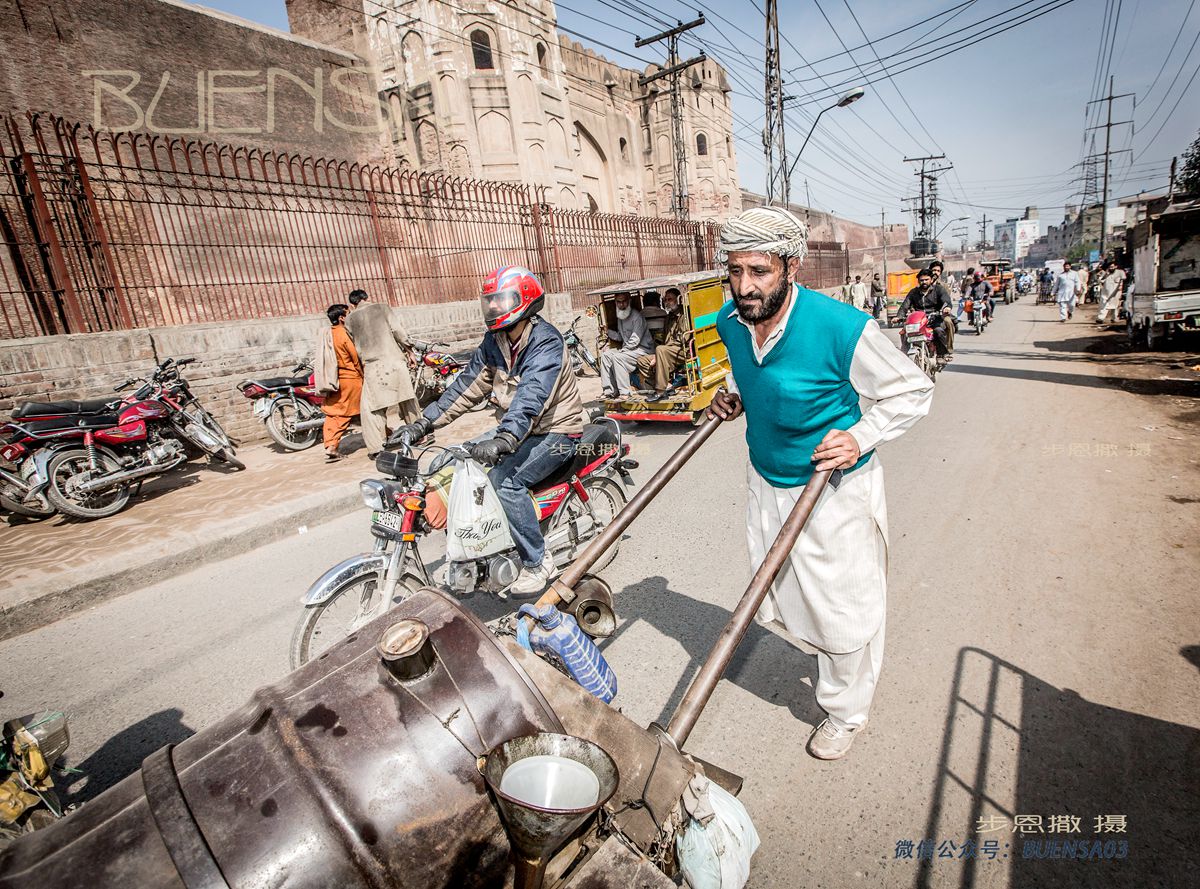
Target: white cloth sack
(475, 525)
(716, 854)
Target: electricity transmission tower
(674, 71)
(774, 145)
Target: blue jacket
(536, 389)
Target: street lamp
(951, 222)
(847, 99)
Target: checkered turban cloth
(764, 230)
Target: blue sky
(1008, 111)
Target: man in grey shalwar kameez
(627, 342)
(388, 400)
(821, 386)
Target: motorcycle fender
(329, 582)
(41, 474)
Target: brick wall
(90, 365)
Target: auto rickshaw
(706, 365)
(999, 273)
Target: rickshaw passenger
(670, 356)
(617, 363)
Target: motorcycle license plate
(262, 407)
(390, 520)
(912, 328)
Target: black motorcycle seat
(51, 425)
(597, 437)
(60, 408)
(283, 382)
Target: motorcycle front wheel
(321, 626)
(285, 413)
(66, 469)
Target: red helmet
(510, 295)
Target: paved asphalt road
(1043, 640)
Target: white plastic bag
(475, 525)
(716, 854)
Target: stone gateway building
(491, 90)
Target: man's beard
(769, 305)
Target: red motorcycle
(155, 429)
(918, 334)
(574, 504)
(289, 406)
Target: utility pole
(1108, 152)
(883, 234)
(774, 144)
(674, 71)
(983, 233)
(927, 211)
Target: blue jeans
(535, 459)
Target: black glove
(409, 434)
(490, 451)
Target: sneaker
(830, 742)
(533, 580)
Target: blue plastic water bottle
(559, 634)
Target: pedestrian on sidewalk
(878, 300)
(844, 291)
(1066, 290)
(800, 364)
(339, 374)
(1111, 287)
(859, 294)
(388, 400)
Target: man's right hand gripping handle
(725, 405)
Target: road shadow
(1016, 745)
(765, 664)
(122, 754)
(1180, 388)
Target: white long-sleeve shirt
(897, 392)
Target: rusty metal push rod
(701, 689)
(562, 590)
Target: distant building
(493, 91)
(1013, 238)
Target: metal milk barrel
(358, 770)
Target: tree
(1188, 179)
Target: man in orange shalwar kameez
(341, 406)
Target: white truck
(1165, 295)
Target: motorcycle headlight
(373, 493)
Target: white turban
(764, 230)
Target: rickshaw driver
(523, 361)
(668, 357)
(800, 362)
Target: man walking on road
(388, 400)
(859, 294)
(878, 299)
(1111, 288)
(800, 363)
(844, 293)
(1066, 289)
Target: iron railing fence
(108, 230)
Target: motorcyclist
(981, 291)
(935, 303)
(524, 362)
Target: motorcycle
(436, 368)
(157, 428)
(581, 357)
(22, 487)
(978, 313)
(290, 407)
(919, 335)
(575, 504)
(32, 748)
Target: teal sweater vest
(801, 390)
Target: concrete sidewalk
(183, 519)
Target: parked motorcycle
(22, 486)
(30, 753)
(919, 335)
(289, 407)
(435, 371)
(575, 504)
(153, 430)
(581, 356)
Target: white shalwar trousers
(832, 591)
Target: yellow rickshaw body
(705, 367)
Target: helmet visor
(497, 305)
